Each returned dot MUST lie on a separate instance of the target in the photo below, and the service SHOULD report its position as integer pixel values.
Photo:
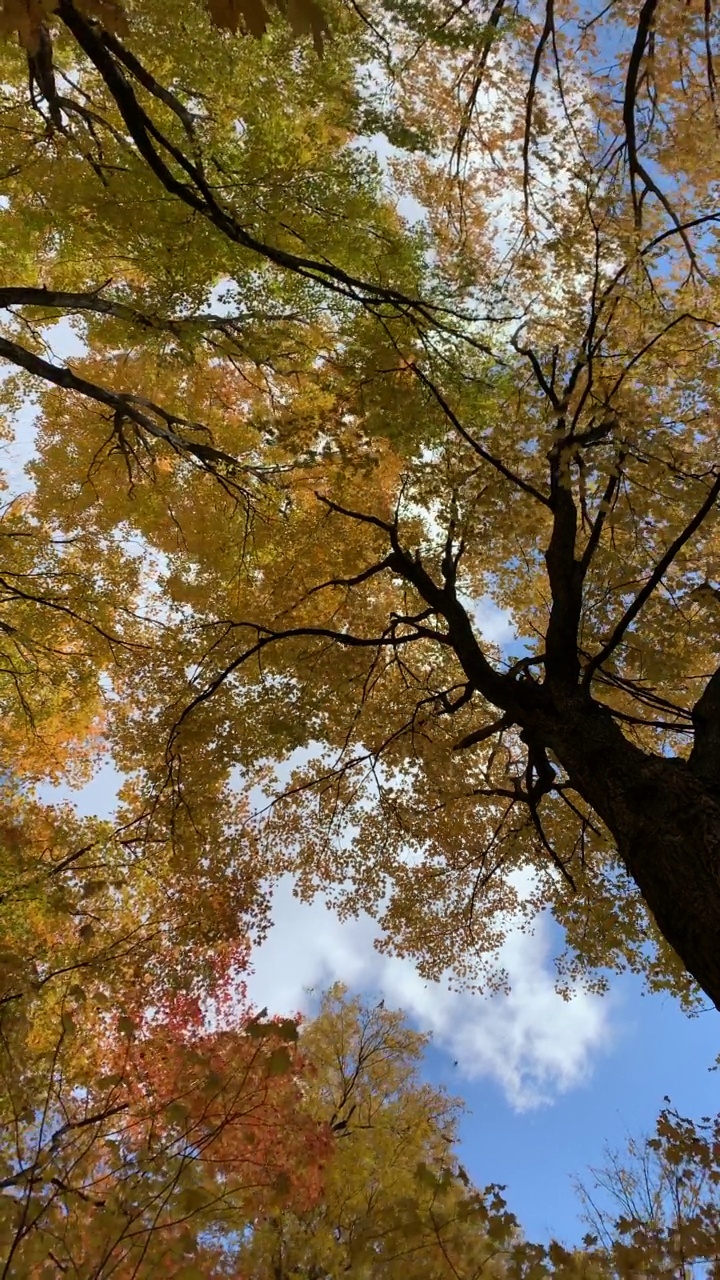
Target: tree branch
(562, 662)
(530, 98)
(267, 636)
(481, 735)
(94, 303)
(655, 578)
(196, 192)
(597, 528)
(483, 453)
(126, 407)
(637, 168)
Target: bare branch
(530, 97)
(655, 578)
(481, 735)
(362, 516)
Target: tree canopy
(356, 345)
(251, 1151)
(328, 333)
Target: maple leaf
(229, 14)
(27, 19)
(175, 1109)
(305, 17)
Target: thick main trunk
(666, 822)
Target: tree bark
(665, 820)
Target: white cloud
(495, 624)
(531, 1043)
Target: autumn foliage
(31, 20)
(149, 1142)
(273, 488)
(361, 527)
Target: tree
(269, 523)
(200, 1140)
(145, 1114)
(146, 1145)
(394, 1195)
(656, 1211)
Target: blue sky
(547, 1084)
(655, 1050)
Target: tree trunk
(665, 820)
